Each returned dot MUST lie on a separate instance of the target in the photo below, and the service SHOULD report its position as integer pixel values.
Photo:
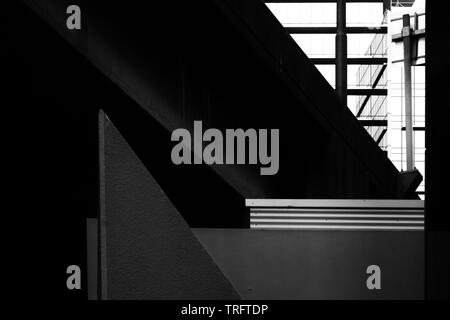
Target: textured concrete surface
(291, 264)
(147, 249)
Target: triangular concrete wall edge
(147, 249)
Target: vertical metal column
(341, 52)
(406, 34)
(386, 5)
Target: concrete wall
(147, 250)
(291, 264)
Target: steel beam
(374, 85)
(366, 92)
(382, 134)
(371, 61)
(321, 1)
(327, 30)
(341, 52)
(373, 123)
(386, 3)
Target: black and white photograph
(229, 155)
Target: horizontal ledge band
(335, 203)
(341, 221)
(336, 227)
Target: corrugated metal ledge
(326, 214)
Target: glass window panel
(316, 45)
(301, 14)
(364, 14)
(366, 45)
(364, 76)
(329, 72)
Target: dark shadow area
(437, 218)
